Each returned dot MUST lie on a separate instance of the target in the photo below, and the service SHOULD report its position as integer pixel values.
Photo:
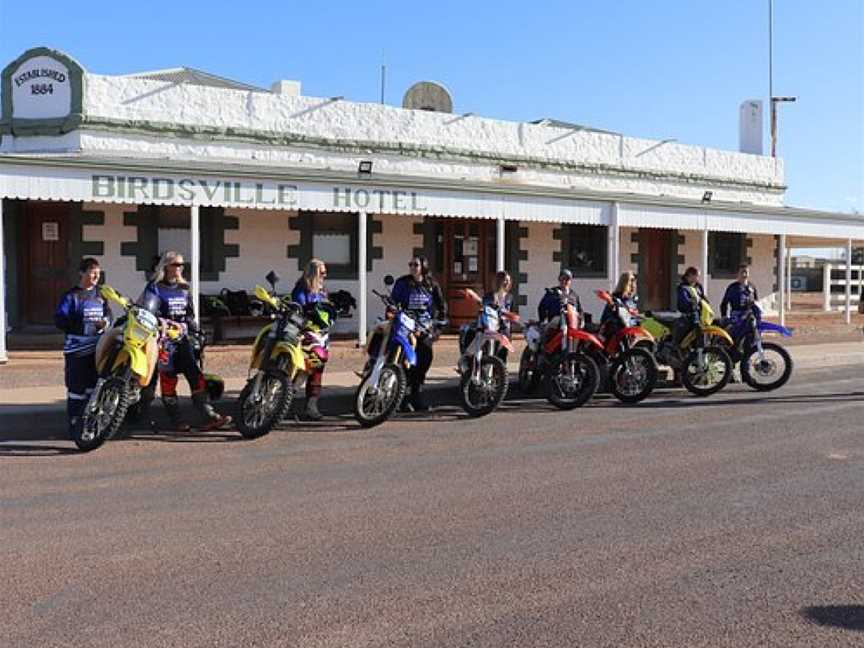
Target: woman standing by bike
(168, 296)
(308, 292)
(420, 294)
(502, 298)
(83, 315)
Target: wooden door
(47, 269)
(655, 268)
(469, 262)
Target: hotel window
(331, 237)
(726, 253)
(584, 250)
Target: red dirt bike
(561, 352)
(483, 370)
(631, 369)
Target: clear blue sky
(665, 68)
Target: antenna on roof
(383, 78)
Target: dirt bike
(391, 350)
(483, 372)
(700, 356)
(632, 369)
(126, 358)
(764, 365)
(284, 354)
(559, 353)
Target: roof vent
(286, 88)
(428, 95)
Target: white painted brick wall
(119, 270)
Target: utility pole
(771, 98)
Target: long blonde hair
(624, 282)
(312, 276)
(165, 260)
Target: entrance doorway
(45, 264)
(468, 261)
(657, 256)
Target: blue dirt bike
(392, 351)
(764, 365)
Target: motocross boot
(418, 401)
(312, 413)
(172, 406)
(214, 420)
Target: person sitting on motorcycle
(503, 299)
(690, 296)
(168, 296)
(550, 306)
(549, 309)
(624, 293)
(83, 315)
(309, 291)
(418, 293)
(740, 294)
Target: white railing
(835, 275)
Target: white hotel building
(245, 180)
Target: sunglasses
(413, 265)
(176, 265)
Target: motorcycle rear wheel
(585, 375)
(627, 387)
(375, 404)
(258, 418)
(102, 421)
(704, 381)
(482, 399)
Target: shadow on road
(846, 617)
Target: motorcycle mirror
(272, 278)
(389, 280)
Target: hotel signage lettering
(250, 193)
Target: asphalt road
(732, 521)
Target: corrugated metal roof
(196, 77)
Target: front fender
(407, 349)
(295, 356)
(137, 362)
(501, 339)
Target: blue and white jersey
(174, 301)
(78, 315)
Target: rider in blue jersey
(420, 294)
(82, 314)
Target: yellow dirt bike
(284, 354)
(126, 357)
(700, 356)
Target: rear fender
(770, 327)
(711, 331)
(585, 336)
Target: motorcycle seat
(667, 317)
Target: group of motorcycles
(570, 359)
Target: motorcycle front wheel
(708, 375)
(572, 381)
(770, 371)
(482, 397)
(103, 415)
(633, 375)
(262, 409)
(376, 403)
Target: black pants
(417, 373)
(81, 376)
